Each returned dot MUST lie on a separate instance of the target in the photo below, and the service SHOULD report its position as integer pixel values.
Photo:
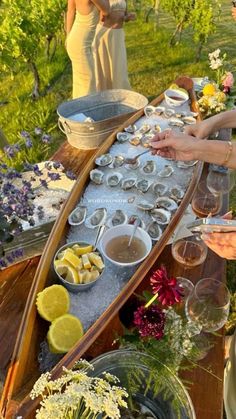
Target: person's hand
(201, 129)
(175, 146)
(223, 244)
(130, 16)
(234, 12)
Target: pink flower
(227, 81)
(150, 321)
(167, 289)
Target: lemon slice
(82, 250)
(72, 276)
(53, 302)
(63, 333)
(96, 260)
(74, 260)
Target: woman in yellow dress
(109, 48)
(81, 21)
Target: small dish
(125, 230)
(77, 287)
(175, 97)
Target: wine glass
(204, 202)
(208, 304)
(220, 182)
(189, 251)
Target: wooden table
(206, 390)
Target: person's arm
(103, 6)
(70, 15)
(234, 12)
(184, 147)
(204, 128)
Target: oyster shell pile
(161, 216)
(131, 128)
(97, 218)
(154, 230)
(176, 122)
(166, 203)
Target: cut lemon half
(53, 302)
(63, 333)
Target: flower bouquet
(215, 95)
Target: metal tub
(102, 112)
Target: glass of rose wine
(220, 182)
(189, 251)
(205, 202)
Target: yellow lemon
(73, 259)
(209, 90)
(96, 260)
(63, 333)
(83, 250)
(72, 275)
(52, 302)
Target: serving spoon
(132, 160)
(136, 225)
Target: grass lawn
(152, 64)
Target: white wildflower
(214, 55)
(40, 386)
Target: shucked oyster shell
(143, 185)
(118, 161)
(145, 205)
(166, 203)
(168, 113)
(128, 183)
(113, 179)
(189, 120)
(176, 193)
(166, 171)
(186, 164)
(122, 137)
(154, 230)
(159, 189)
(144, 128)
(97, 218)
(97, 176)
(133, 166)
(161, 216)
(104, 160)
(131, 128)
(149, 167)
(77, 216)
(119, 217)
(149, 110)
(176, 122)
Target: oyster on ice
(97, 218)
(133, 218)
(143, 185)
(119, 217)
(149, 167)
(97, 176)
(159, 189)
(166, 171)
(122, 137)
(149, 110)
(145, 205)
(131, 128)
(189, 120)
(176, 193)
(77, 216)
(128, 183)
(186, 164)
(168, 113)
(104, 160)
(118, 161)
(144, 128)
(133, 166)
(113, 179)
(135, 140)
(161, 216)
(159, 110)
(176, 122)
(154, 230)
(166, 203)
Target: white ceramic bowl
(175, 97)
(121, 230)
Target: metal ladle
(136, 225)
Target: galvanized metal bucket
(102, 112)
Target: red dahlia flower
(150, 321)
(167, 289)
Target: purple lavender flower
(17, 253)
(28, 166)
(56, 164)
(70, 175)
(44, 183)
(3, 166)
(28, 143)
(37, 171)
(38, 131)
(17, 147)
(9, 151)
(46, 138)
(54, 176)
(2, 263)
(25, 134)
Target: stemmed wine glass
(206, 202)
(208, 304)
(220, 182)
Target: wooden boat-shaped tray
(23, 370)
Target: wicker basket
(107, 109)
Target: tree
(24, 26)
